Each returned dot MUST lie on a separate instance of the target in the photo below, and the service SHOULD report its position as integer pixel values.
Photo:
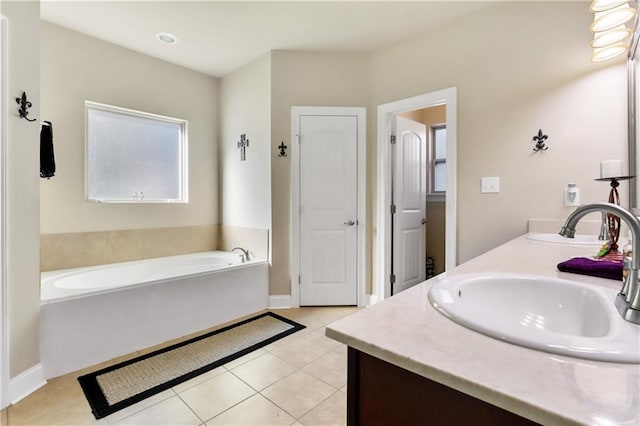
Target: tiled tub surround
(78, 249)
(74, 250)
(78, 329)
(253, 239)
(405, 330)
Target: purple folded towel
(594, 267)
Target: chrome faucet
(604, 229)
(245, 253)
(628, 300)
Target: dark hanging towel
(47, 160)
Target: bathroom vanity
(409, 364)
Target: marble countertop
(407, 331)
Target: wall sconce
(610, 31)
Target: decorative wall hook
(24, 107)
(540, 139)
(283, 150)
(243, 144)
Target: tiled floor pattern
(300, 379)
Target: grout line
(268, 386)
(227, 409)
(190, 409)
(105, 419)
(318, 404)
(283, 409)
(274, 403)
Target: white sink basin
(578, 240)
(548, 314)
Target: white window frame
(183, 154)
(433, 161)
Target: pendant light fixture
(610, 31)
(609, 19)
(603, 5)
(605, 53)
(611, 37)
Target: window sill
(436, 198)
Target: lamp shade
(611, 37)
(605, 53)
(607, 20)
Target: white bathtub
(89, 315)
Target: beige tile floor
(298, 380)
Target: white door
(409, 197)
(328, 209)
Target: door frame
(361, 216)
(4, 320)
(386, 113)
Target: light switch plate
(490, 185)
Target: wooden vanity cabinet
(380, 393)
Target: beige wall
(76, 68)
(22, 175)
(512, 79)
(245, 108)
(304, 79)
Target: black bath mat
(118, 386)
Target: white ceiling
(217, 37)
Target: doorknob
(423, 221)
(349, 223)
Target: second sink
(578, 240)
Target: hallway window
(438, 159)
(134, 156)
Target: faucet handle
(629, 275)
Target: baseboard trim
(371, 299)
(280, 301)
(26, 383)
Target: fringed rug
(121, 385)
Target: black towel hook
(25, 104)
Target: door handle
(423, 221)
(349, 223)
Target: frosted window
(133, 156)
(439, 159)
(440, 142)
(440, 177)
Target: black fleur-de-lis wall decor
(283, 149)
(23, 109)
(540, 140)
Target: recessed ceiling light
(167, 38)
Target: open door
(409, 189)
